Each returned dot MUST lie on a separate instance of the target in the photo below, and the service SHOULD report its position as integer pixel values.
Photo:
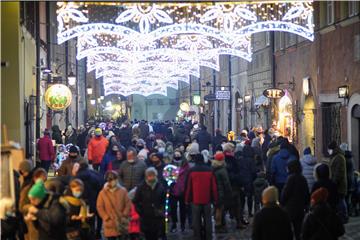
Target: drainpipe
(37, 40)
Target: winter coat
(273, 150)
(247, 168)
(131, 174)
(338, 171)
(279, 166)
(201, 185)
(125, 136)
(233, 169)
(322, 223)
(71, 139)
(265, 147)
(350, 171)
(56, 134)
(46, 149)
(271, 223)
(179, 187)
(180, 136)
(222, 183)
(217, 140)
(308, 163)
(144, 130)
(50, 219)
(93, 183)
(67, 166)
(295, 196)
(108, 158)
(96, 149)
(9, 228)
(113, 208)
(81, 141)
(150, 204)
(134, 224)
(333, 197)
(204, 140)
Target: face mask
(161, 150)
(177, 158)
(330, 151)
(140, 147)
(72, 156)
(77, 194)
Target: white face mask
(161, 150)
(330, 151)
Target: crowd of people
(109, 183)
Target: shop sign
(222, 95)
(58, 97)
(274, 93)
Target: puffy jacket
(338, 171)
(201, 185)
(308, 163)
(51, 219)
(179, 187)
(46, 149)
(96, 149)
(67, 166)
(131, 174)
(113, 207)
(279, 166)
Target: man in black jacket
(203, 138)
(271, 222)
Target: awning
(261, 101)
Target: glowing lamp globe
(58, 97)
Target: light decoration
(58, 97)
(170, 174)
(165, 42)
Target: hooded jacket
(204, 139)
(97, 148)
(308, 163)
(247, 167)
(46, 149)
(279, 166)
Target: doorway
(309, 123)
(355, 136)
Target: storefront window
(286, 124)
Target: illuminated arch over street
(167, 41)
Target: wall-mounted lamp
(71, 79)
(89, 90)
(92, 101)
(343, 91)
(247, 98)
(306, 86)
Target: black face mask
(72, 157)
(140, 147)
(177, 158)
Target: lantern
(58, 97)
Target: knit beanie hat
(307, 151)
(219, 156)
(332, 145)
(151, 171)
(26, 166)
(319, 196)
(38, 190)
(194, 149)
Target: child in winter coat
(134, 224)
(260, 183)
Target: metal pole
(190, 90)
(273, 77)
(37, 29)
(66, 77)
(214, 103)
(86, 95)
(77, 89)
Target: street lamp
(92, 101)
(72, 79)
(343, 91)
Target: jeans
(184, 210)
(45, 164)
(200, 212)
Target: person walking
(56, 134)
(150, 204)
(224, 190)
(271, 222)
(68, 164)
(321, 222)
(46, 150)
(131, 171)
(308, 163)
(218, 140)
(113, 206)
(338, 175)
(46, 212)
(97, 148)
(204, 138)
(201, 191)
(70, 136)
(295, 196)
(259, 184)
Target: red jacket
(46, 149)
(134, 225)
(96, 149)
(201, 185)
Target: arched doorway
(355, 134)
(309, 123)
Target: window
(330, 12)
(331, 124)
(353, 8)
